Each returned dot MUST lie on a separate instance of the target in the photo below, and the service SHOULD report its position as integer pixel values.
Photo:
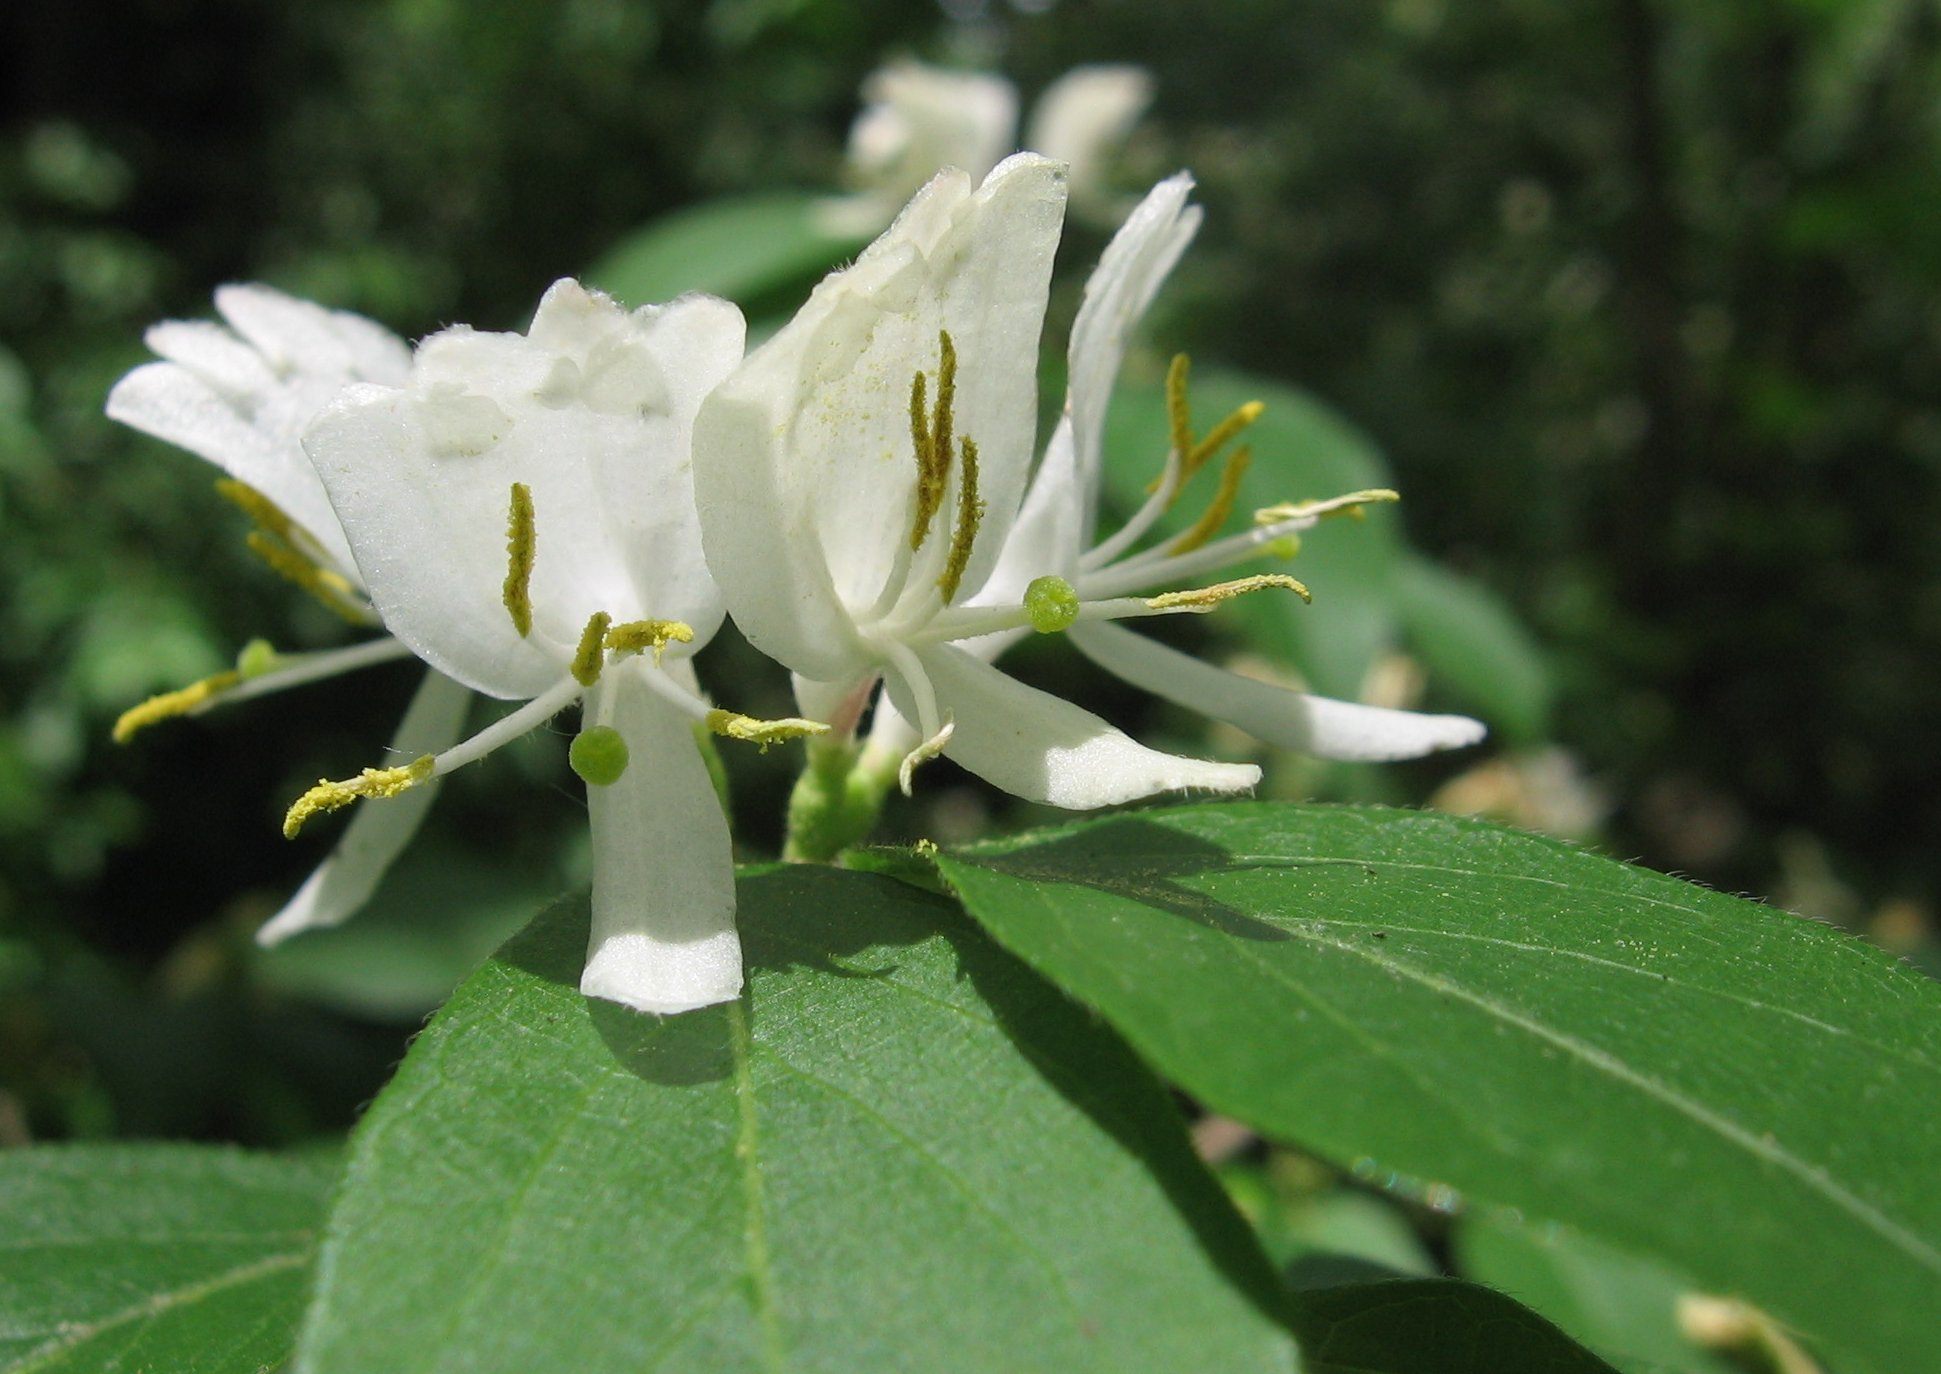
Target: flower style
(522, 511)
(1051, 546)
(858, 474)
(240, 395)
(919, 119)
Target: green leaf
(154, 1257)
(740, 248)
(1471, 643)
(1748, 1095)
(901, 1150)
(1623, 1307)
(1302, 449)
(1431, 1326)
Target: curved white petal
(242, 399)
(1050, 531)
(1292, 720)
(1130, 272)
(663, 871)
(921, 119)
(804, 464)
(1043, 748)
(593, 412)
(379, 831)
(1083, 117)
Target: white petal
(379, 831)
(1043, 748)
(804, 467)
(1292, 720)
(1050, 531)
(663, 871)
(1083, 117)
(595, 421)
(921, 119)
(1134, 266)
(242, 400)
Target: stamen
(269, 517)
(1351, 505)
(930, 436)
(1051, 603)
(332, 589)
(590, 657)
(1220, 507)
(1221, 434)
(520, 542)
(372, 782)
(762, 732)
(638, 636)
(922, 754)
(181, 702)
(599, 755)
(970, 514)
(1206, 598)
(1179, 412)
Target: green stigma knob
(598, 755)
(258, 657)
(1050, 604)
(1286, 546)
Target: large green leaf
(1749, 1095)
(1301, 450)
(154, 1257)
(740, 248)
(901, 1151)
(1431, 1326)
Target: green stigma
(1287, 546)
(257, 658)
(599, 755)
(1051, 604)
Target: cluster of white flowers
(563, 517)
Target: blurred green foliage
(1639, 301)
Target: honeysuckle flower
(522, 512)
(240, 395)
(857, 476)
(918, 119)
(1051, 552)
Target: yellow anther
(762, 732)
(638, 636)
(181, 702)
(970, 514)
(931, 431)
(332, 589)
(591, 656)
(1351, 505)
(1219, 437)
(371, 783)
(1206, 598)
(1179, 412)
(1220, 507)
(268, 516)
(520, 543)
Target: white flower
(241, 397)
(918, 120)
(861, 469)
(523, 514)
(1054, 534)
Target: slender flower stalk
(240, 394)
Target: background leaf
(1472, 645)
(741, 248)
(902, 1149)
(1431, 1326)
(1744, 1093)
(154, 1257)
(1623, 1307)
